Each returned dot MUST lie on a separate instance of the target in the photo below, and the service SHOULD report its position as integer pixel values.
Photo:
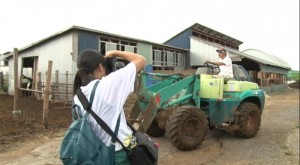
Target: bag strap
(91, 103)
(131, 127)
(87, 106)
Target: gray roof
(266, 58)
(211, 32)
(70, 29)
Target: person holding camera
(224, 63)
(111, 93)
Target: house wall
(3, 65)
(145, 50)
(274, 69)
(58, 50)
(182, 40)
(201, 51)
(87, 40)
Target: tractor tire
(187, 127)
(249, 119)
(154, 130)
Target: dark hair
(88, 60)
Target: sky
(271, 26)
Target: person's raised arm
(215, 63)
(137, 59)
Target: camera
(114, 63)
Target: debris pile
(295, 84)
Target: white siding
(59, 51)
(11, 80)
(201, 51)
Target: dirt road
(277, 142)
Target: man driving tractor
(224, 64)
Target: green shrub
(293, 75)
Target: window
(214, 39)
(167, 59)
(180, 59)
(129, 48)
(170, 59)
(157, 58)
(107, 44)
(111, 46)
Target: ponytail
(88, 61)
(80, 76)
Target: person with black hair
(111, 93)
(224, 63)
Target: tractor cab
(239, 72)
(239, 83)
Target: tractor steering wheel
(212, 67)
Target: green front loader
(185, 107)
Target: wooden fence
(61, 88)
(41, 87)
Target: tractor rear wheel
(249, 119)
(187, 127)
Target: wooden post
(67, 82)
(16, 112)
(46, 95)
(39, 85)
(1, 82)
(55, 96)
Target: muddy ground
(25, 140)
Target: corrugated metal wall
(200, 52)
(87, 40)
(181, 40)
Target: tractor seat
(239, 73)
(228, 79)
(235, 69)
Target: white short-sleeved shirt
(226, 70)
(110, 96)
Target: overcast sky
(271, 26)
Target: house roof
(253, 54)
(88, 30)
(266, 58)
(211, 32)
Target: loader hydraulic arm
(169, 90)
